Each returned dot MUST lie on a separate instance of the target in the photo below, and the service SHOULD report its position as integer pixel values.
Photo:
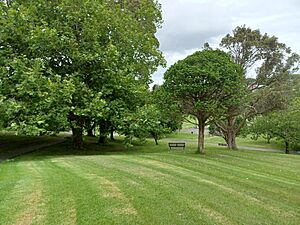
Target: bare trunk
(90, 128)
(77, 137)
(77, 130)
(230, 134)
(156, 142)
(112, 134)
(287, 148)
(201, 127)
(103, 130)
(230, 140)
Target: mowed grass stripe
(272, 161)
(58, 201)
(112, 203)
(254, 185)
(178, 185)
(281, 173)
(151, 185)
(249, 180)
(266, 205)
(10, 174)
(76, 193)
(158, 196)
(239, 169)
(21, 203)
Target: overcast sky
(188, 24)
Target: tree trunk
(230, 140)
(201, 127)
(91, 132)
(90, 128)
(287, 148)
(77, 137)
(155, 137)
(231, 134)
(77, 130)
(156, 142)
(112, 134)
(103, 130)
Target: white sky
(188, 24)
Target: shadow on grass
(117, 147)
(91, 148)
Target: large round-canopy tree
(65, 61)
(203, 83)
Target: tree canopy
(267, 65)
(203, 83)
(67, 61)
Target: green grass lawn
(149, 185)
(260, 143)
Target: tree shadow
(91, 148)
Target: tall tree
(269, 63)
(94, 45)
(203, 83)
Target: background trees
(267, 63)
(157, 116)
(282, 125)
(203, 83)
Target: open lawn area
(149, 184)
(241, 141)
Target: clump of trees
(158, 116)
(282, 125)
(75, 64)
(86, 65)
(265, 67)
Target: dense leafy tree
(203, 83)
(157, 116)
(283, 125)
(96, 47)
(273, 61)
(146, 122)
(170, 111)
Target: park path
(32, 148)
(214, 144)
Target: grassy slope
(150, 185)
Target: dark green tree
(203, 83)
(95, 46)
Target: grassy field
(149, 185)
(260, 143)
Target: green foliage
(283, 125)
(170, 113)
(147, 122)
(96, 51)
(203, 84)
(270, 64)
